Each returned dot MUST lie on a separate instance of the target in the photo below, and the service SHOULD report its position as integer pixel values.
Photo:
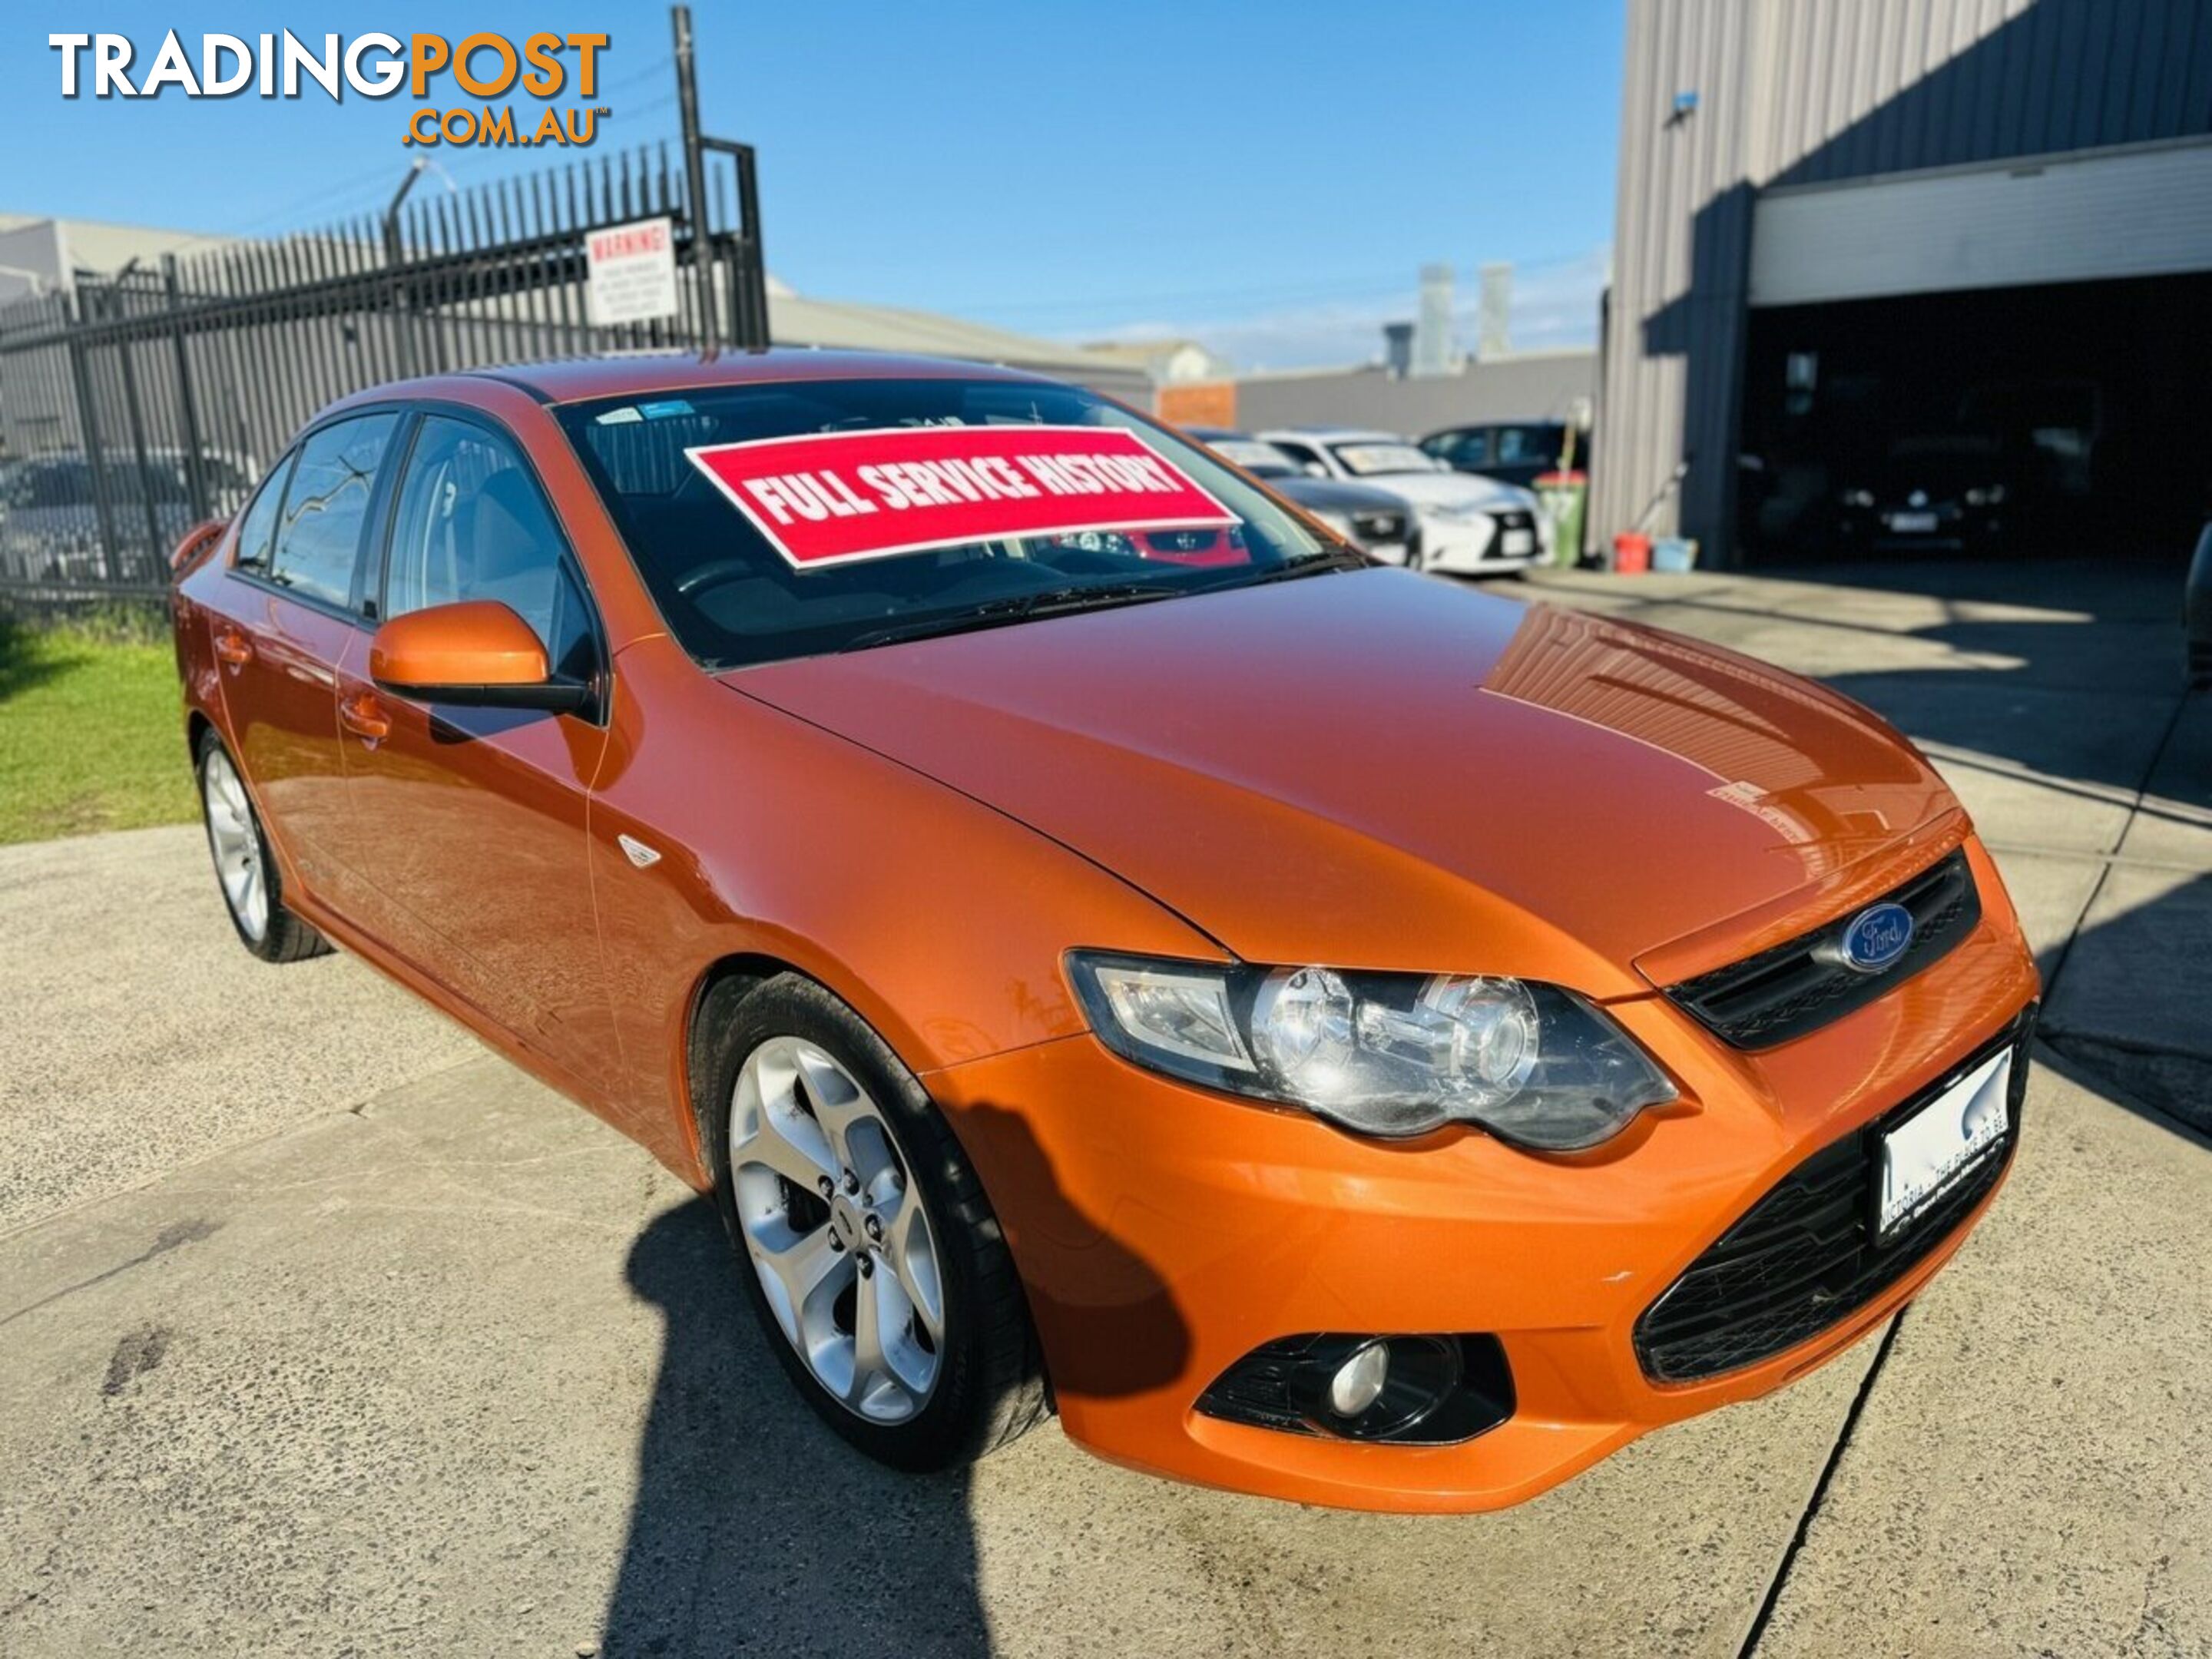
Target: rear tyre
(245, 867)
(865, 1243)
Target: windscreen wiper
(1311, 564)
(1019, 607)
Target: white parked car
(1469, 524)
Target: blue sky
(1268, 178)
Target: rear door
(289, 611)
(472, 821)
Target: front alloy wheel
(871, 1253)
(837, 1230)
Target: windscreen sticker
(827, 498)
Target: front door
(470, 821)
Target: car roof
(575, 379)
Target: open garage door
(2008, 362)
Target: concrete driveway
(323, 1331)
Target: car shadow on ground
(754, 1526)
(2126, 1002)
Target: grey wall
(1537, 385)
(1798, 91)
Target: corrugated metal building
(1841, 221)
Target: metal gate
(134, 405)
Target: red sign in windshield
(825, 498)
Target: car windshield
(1262, 461)
(797, 518)
(1372, 459)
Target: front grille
(1804, 1257)
(1800, 985)
(1501, 523)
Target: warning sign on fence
(632, 272)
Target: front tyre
(245, 867)
(871, 1254)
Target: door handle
(363, 716)
(232, 647)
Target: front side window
(318, 534)
(1466, 449)
(472, 525)
(257, 531)
(924, 454)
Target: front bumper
(1482, 541)
(1164, 1231)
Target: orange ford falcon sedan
(1322, 1031)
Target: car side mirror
(475, 653)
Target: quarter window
(471, 524)
(318, 534)
(257, 531)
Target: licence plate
(1928, 1154)
(1520, 541)
(1912, 523)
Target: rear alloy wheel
(873, 1258)
(245, 867)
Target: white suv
(1469, 523)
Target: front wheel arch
(720, 989)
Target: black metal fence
(134, 403)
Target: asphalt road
(323, 1331)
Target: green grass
(91, 735)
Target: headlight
(1993, 497)
(1383, 1054)
(1858, 498)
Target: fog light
(1411, 1389)
(1358, 1382)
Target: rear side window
(318, 534)
(256, 533)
